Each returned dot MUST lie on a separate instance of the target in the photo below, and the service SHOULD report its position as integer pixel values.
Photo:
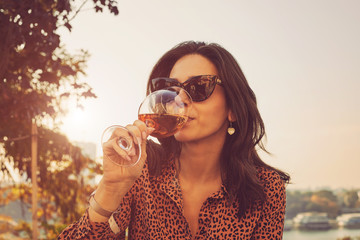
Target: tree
(326, 202)
(36, 71)
(37, 74)
(351, 198)
(319, 201)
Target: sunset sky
(302, 59)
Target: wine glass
(165, 110)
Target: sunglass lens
(200, 88)
(160, 83)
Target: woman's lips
(189, 120)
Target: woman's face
(208, 118)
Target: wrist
(113, 189)
(94, 205)
(109, 196)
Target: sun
(76, 123)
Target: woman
(205, 182)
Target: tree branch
(77, 11)
(15, 139)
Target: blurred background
(73, 68)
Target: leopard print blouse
(153, 209)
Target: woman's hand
(117, 180)
(115, 174)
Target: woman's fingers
(136, 133)
(145, 131)
(122, 146)
(114, 152)
(125, 145)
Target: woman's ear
(231, 116)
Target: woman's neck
(200, 160)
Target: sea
(332, 234)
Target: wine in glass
(165, 110)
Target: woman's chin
(181, 136)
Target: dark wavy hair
(239, 157)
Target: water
(332, 234)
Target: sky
(301, 58)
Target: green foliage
(350, 199)
(36, 71)
(63, 204)
(24, 228)
(326, 194)
(37, 74)
(319, 201)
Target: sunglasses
(199, 87)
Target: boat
(311, 221)
(349, 220)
